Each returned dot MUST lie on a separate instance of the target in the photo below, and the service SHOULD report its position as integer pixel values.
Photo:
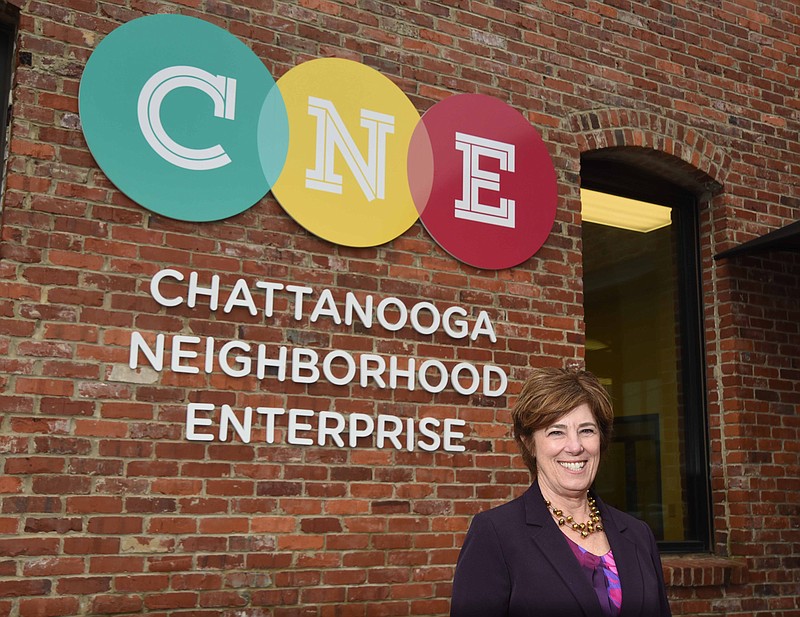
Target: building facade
(239, 417)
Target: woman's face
(568, 452)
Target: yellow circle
(345, 176)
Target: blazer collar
(553, 545)
(629, 561)
(551, 541)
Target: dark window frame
(9, 19)
(627, 180)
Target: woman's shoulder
(498, 525)
(509, 512)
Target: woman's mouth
(573, 466)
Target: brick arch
(702, 165)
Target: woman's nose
(574, 445)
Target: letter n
(332, 135)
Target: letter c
(221, 90)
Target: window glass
(637, 269)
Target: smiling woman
(558, 549)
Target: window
(644, 342)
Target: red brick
(53, 566)
(142, 583)
(28, 546)
(83, 585)
(110, 457)
(91, 546)
(94, 504)
(58, 525)
(174, 600)
(25, 148)
(34, 465)
(117, 603)
(29, 587)
(48, 607)
(10, 485)
(115, 525)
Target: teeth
(573, 466)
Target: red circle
(477, 150)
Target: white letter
(270, 412)
(383, 432)
(364, 313)
(395, 372)
(179, 354)
(477, 181)
(295, 426)
(298, 292)
(156, 292)
(434, 437)
(449, 435)
(304, 359)
(483, 325)
(476, 378)
(212, 292)
(334, 432)
(138, 344)
(244, 361)
(262, 362)
(423, 378)
(241, 288)
(355, 432)
(375, 373)
(192, 421)
(382, 314)
(348, 360)
(488, 370)
(269, 297)
(326, 306)
(243, 429)
(209, 360)
(436, 319)
(460, 323)
(220, 89)
(333, 135)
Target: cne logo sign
(185, 119)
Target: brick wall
(755, 430)
(105, 507)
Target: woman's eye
(588, 431)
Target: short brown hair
(550, 393)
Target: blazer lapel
(553, 545)
(628, 564)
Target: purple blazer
(515, 562)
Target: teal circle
(255, 139)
